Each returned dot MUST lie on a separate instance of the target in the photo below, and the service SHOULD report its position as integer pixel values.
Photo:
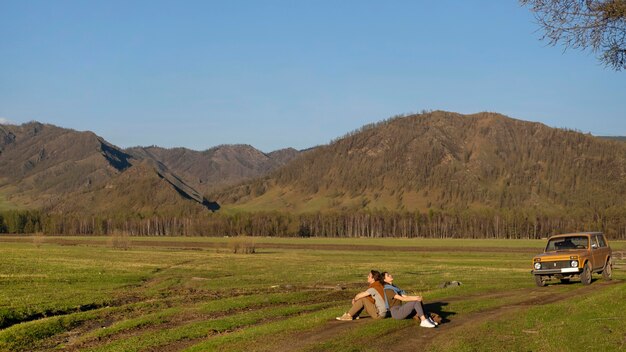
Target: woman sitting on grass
(394, 297)
(371, 299)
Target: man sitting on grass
(371, 299)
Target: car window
(566, 243)
(601, 241)
(594, 240)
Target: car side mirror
(594, 246)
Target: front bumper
(568, 271)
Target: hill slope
(64, 170)
(218, 167)
(445, 160)
(141, 189)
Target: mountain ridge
(45, 166)
(442, 160)
(219, 166)
(417, 162)
(60, 169)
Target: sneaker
(427, 324)
(432, 321)
(345, 316)
(435, 317)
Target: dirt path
(406, 338)
(138, 242)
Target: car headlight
(574, 263)
(537, 266)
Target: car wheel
(565, 281)
(539, 281)
(585, 276)
(607, 273)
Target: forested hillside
(41, 163)
(436, 174)
(447, 174)
(444, 160)
(615, 138)
(61, 170)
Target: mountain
(614, 138)
(44, 166)
(218, 167)
(39, 163)
(141, 189)
(445, 160)
(437, 160)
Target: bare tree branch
(599, 25)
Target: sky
(277, 74)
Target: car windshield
(566, 243)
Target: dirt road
(406, 338)
(207, 243)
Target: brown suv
(573, 255)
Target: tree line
(477, 223)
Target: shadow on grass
(557, 282)
(438, 307)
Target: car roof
(576, 234)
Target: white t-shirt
(379, 301)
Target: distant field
(194, 294)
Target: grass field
(194, 294)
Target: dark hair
(383, 274)
(377, 276)
(382, 277)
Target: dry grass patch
(242, 246)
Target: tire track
(198, 245)
(403, 339)
(406, 338)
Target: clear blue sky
(278, 74)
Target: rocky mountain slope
(44, 166)
(218, 167)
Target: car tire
(585, 276)
(607, 273)
(539, 281)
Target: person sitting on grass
(371, 299)
(394, 298)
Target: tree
(581, 24)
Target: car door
(603, 249)
(596, 253)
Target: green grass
(246, 340)
(593, 322)
(206, 328)
(452, 243)
(33, 334)
(387, 242)
(71, 277)
(100, 299)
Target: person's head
(387, 278)
(374, 276)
